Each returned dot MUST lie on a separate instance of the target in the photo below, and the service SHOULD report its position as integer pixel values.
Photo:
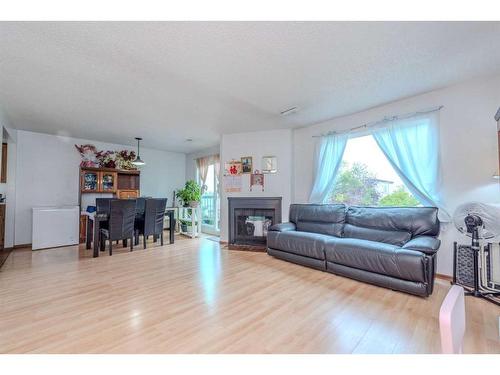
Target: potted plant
(190, 196)
(185, 225)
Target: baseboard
(261, 249)
(444, 277)
(15, 247)
(21, 246)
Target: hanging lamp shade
(138, 160)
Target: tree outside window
(367, 179)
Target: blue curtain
(412, 147)
(329, 153)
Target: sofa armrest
(283, 227)
(426, 244)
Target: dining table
(94, 226)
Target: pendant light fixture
(138, 160)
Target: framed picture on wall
(246, 164)
(233, 168)
(257, 181)
(269, 164)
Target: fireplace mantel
(249, 218)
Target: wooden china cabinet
(123, 184)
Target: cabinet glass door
(108, 182)
(90, 181)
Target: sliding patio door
(210, 204)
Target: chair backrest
(153, 215)
(102, 205)
(140, 205)
(121, 219)
(452, 321)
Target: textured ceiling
(168, 81)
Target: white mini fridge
(55, 226)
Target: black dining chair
(120, 223)
(139, 214)
(140, 206)
(152, 224)
(102, 205)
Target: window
(366, 178)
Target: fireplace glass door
(252, 225)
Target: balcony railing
(208, 209)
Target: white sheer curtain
(412, 147)
(202, 164)
(329, 153)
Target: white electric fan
(481, 221)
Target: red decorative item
(233, 168)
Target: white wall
(48, 174)
(258, 144)
(469, 150)
(191, 160)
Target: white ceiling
(168, 81)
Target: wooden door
(2, 226)
(3, 172)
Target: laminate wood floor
(196, 297)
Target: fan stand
(476, 247)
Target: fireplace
(249, 220)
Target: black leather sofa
(393, 247)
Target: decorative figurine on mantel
(256, 179)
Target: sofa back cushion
(319, 218)
(393, 237)
(393, 225)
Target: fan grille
(465, 266)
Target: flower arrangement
(124, 159)
(105, 159)
(89, 156)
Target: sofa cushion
(318, 218)
(417, 221)
(377, 257)
(425, 244)
(283, 227)
(393, 237)
(310, 245)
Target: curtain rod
(385, 119)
